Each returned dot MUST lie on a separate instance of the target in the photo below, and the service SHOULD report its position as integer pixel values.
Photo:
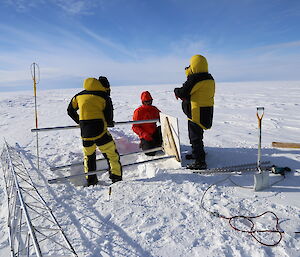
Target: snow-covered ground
(156, 210)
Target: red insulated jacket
(145, 112)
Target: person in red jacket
(149, 133)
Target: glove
(176, 93)
(111, 124)
(147, 136)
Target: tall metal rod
(33, 73)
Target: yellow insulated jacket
(95, 109)
(197, 93)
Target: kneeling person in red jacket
(149, 133)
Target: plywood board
(170, 135)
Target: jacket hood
(146, 96)
(92, 84)
(198, 64)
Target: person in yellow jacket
(197, 95)
(95, 116)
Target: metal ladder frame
(33, 229)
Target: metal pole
(52, 181)
(100, 159)
(36, 113)
(77, 126)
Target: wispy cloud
(189, 46)
(280, 46)
(71, 55)
(24, 5)
(279, 61)
(77, 6)
(77, 59)
(107, 42)
(82, 7)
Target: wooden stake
(285, 145)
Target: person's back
(146, 112)
(149, 133)
(95, 115)
(93, 105)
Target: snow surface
(156, 210)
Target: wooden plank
(170, 135)
(171, 141)
(285, 145)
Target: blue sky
(136, 42)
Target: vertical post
(33, 73)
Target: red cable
(252, 231)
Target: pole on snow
(261, 178)
(77, 126)
(61, 179)
(100, 159)
(33, 69)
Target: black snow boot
(115, 178)
(197, 165)
(92, 180)
(189, 156)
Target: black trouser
(156, 142)
(196, 140)
(108, 148)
